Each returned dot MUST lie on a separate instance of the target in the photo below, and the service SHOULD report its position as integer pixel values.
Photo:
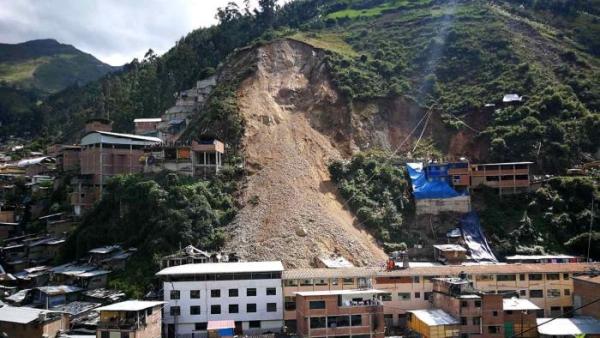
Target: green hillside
(47, 66)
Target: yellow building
(433, 323)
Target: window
(464, 303)
(535, 276)
(194, 310)
(194, 294)
(417, 295)
(321, 282)
(484, 278)
(348, 281)
(234, 308)
(493, 329)
(553, 293)
(289, 303)
(215, 293)
(567, 292)
(356, 320)
(250, 308)
(552, 276)
(105, 334)
(317, 322)
(536, 294)
(290, 282)
(215, 309)
(565, 276)
(338, 321)
(200, 326)
(386, 297)
(251, 292)
(333, 281)
(254, 324)
(463, 320)
(477, 303)
(506, 278)
(495, 313)
(271, 307)
(427, 295)
(476, 320)
(174, 294)
(271, 291)
(523, 293)
(521, 276)
(175, 311)
(316, 304)
(233, 292)
(416, 279)
(404, 295)
(306, 282)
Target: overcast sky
(114, 31)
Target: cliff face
(296, 122)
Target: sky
(114, 31)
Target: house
(188, 255)
(520, 317)
(559, 258)
(132, 318)
(247, 292)
(147, 126)
(452, 254)
(50, 296)
(586, 288)
(506, 178)
(433, 323)
(26, 322)
(67, 156)
(340, 313)
(38, 165)
(332, 262)
(103, 296)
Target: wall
(584, 292)
(34, 329)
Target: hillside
(47, 66)
(318, 81)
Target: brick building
(586, 289)
(132, 318)
(26, 322)
(347, 313)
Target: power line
(555, 318)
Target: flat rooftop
(589, 278)
(130, 305)
(339, 292)
(518, 304)
(213, 268)
(434, 317)
(568, 326)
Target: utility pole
(590, 234)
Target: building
(132, 319)
(452, 254)
(147, 126)
(507, 178)
(201, 158)
(42, 165)
(548, 286)
(332, 262)
(97, 124)
(543, 259)
(189, 255)
(433, 323)
(586, 289)
(340, 313)
(248, 293)
(26, 322)
(519, 317)
(67, 156)
(568, 327)
(103, 155)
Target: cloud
(114, 31)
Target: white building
(248, 293)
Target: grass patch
(328, 41)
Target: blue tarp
(475, 239)
(424, 188)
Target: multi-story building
(67, 156)
(507, 178)
(250, 293)
(548, 286)
(131, 319)
(340, 313)
(586, 289)
(520, 317)
(147, 126)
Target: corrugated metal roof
(130, 305)
(147, 119)
(435, 317)
(208, 268)
(20, 315)
(96, 137)
(37, 160)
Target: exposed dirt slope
(292, 210)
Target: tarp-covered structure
(475, 239)
(434, 195)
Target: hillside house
(147, 126)
(506, 178)
(452, 254)
(42, 165)
(202, 158)
(132, 318)
(67, 156)
(26, 322)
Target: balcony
(123, 325)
